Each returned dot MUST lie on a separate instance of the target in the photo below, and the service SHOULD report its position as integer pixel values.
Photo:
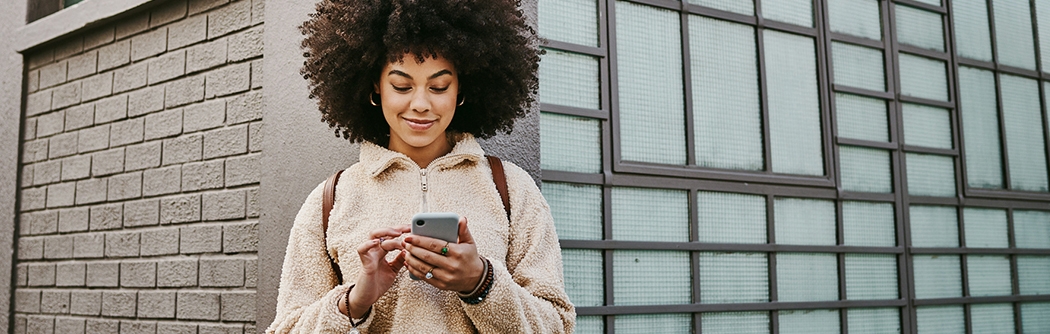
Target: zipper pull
(423, 176)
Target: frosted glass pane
(570, 143)
(1025, 144)
(799, 12)
(874, 321)
(937, 276)
(652, 108)
(858, 66)
(584, 280)
(573, 21)
(809, 322)
(868, 224)
(1032, 229)
(927, 126)
(803, 277)
(654, 323)
(1013, 33)
(865, 169)
(636, 283)
(577, 210)
(731, 218)
(734, 278)
(570, 79)
(932, 2)
(920, 28)
(642, 214)
(980, 123)
(746, 7)
(1035, 317)
(934, 226)
(590, 324)
(941, 319)
(871, 276)
(989, 275)
(727, 115)
(923, 77)
(861, 117)
(1042, 9)
(734, 323)
(801, 221)
(794, 105)
(931, 175)
(992, 318)
(985, 228)
(856, 17)
(972, 35)
(1033, 274)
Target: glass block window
(856, 17)
(804, 221)
(807, 277)
(643, 214)
(920, 28)
(809, 322)
(635, 283)
(577, 210)
(931, 175)
(1032, 229)
(1035, 317)
(865, 169)
(735, 6)
(731, 218)
(573, 21)
(934, 226)
(989, 275)
(734, 278)
(858, 66)
(570, 79)
(570, 143)
(992, 318)
(1025, 142)
(941, 319)
(868, 224)
(874, 320)
(871, 276)
(972, 33)
(1033, 273)
(927, 126)
(655, 323)
(861, 117)
(735, 323)
(1013, 33)
(937, 276)
(799, 12)
(589, 324)
(985, 228)
(923, 77)
(584, 279)
(980, 120)
(794, 104)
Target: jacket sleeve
(528, 292)
(306, 300)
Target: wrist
(478, 279)
(358, 307)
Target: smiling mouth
(419, 124)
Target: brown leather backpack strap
(500, 178)
(326, 210)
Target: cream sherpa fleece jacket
(385, 189)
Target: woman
(415, 81)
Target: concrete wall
(11, 82)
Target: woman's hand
(460, 269)
(377, 274)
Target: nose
(420, 101)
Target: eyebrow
(432, 76)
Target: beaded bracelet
(354, 324)
(479, 296)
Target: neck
(422, 156)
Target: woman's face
(418, 101)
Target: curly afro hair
(348, 42)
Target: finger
(386, 232)
(464, 232)
(428, 257)
(403, 228)
(367, 246)
(398, 263)
(390, 245)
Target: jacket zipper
(423, 187)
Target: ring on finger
(444, 250)
(430, 273)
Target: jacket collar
(377, 159)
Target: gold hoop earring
(371, 100)
(461, 100)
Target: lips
(419, 124)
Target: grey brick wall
(140, 175)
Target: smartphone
(438, 225)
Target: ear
(375, 87)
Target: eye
(439, 89)
(402, 89)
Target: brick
(91, 191)
(226, 80)
(69, 47)
(34, 198)
(131, 26)
(106, 217)
(250, 273)
(223, 205)
(181, 209)
(79, 117)
(54, 302)
(103, 274)
(27, 301)
(202, 116)
(238, 306)
(191, 30)
(111, 109)
(221, 272)
(58, 247)
(176, 328)
(183, 91)
(73, 220)
(27, 175)
(137, 327)
(157, 304)
(127, 132)
(33, 81)
(36, 150)
(38, 102)
(69, 326)
(98, 37)
(114, 55)
(125, 186)
(98, 86)
(182, 149)
(145, 155)
(128, 78)
(70, 274)
(138, 274)
(107, 162)
(62, 145)
(20, 324)
(89, 245)
(257, 73)
(118, 304)
(198, 305)
(30, 129)
(200, 239)
(242, 170)
(50, 123)
(47, 172)
(53, 74)
(66, 95)
(40, 58)
(168, 12)
(246, 44)
(61, 195)
(93, 139)
(85, 302)
(235, 16)
(226, 142)
(122, 244)
(258, 11)
(145, 101)
(197, 6)
(166, 67)
(41, 222)
(177, 273)
(208, 328)
(160, 242)
(253, 203)
(41, 274)
(161, 181)
(164, 124)
(21, 275)
(30, 248)
(102, 326)
(149, 44)
(141, 213)
(206, 55)
(202, 175)
(40, 325)
(244, 108)
(83, 65)
(76, 167)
